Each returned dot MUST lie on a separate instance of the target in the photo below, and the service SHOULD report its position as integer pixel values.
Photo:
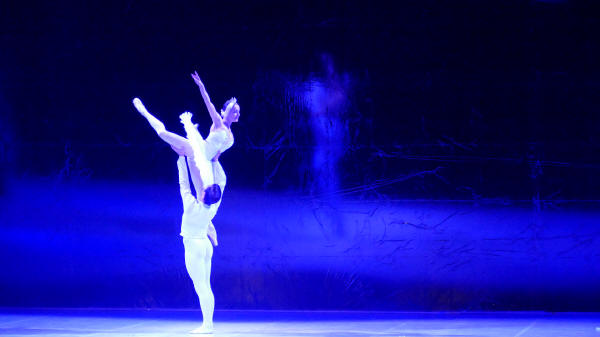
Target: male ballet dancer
(197, 215)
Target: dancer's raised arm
(214, 115)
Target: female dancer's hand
(198, 81)
(214, 115)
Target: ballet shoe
(139, 106)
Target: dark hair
(212, 194)
(227, 103)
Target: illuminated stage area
(408, 168)
(116, 323)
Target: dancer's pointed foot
(203, 330)
(140, 106)
(185, 118)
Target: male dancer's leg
(198, 257)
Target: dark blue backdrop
(428, 156)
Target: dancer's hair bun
(231, 101)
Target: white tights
(198, 256)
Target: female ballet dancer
(197, 215)
(218, 141)
(220, 137)
(220, 130)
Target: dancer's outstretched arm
(178, 143)
(214, 115)
(184, 183)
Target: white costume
(216, 143)
(219, 141)
(198, 249)
(197, 216)
(205, 153)
(205, 171)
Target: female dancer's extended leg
(198, 257)
(180, 144)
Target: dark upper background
(515, 75)
(493, 101)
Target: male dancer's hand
(212, 234)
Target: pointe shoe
(203, 330)
(185, 118)
(139, 106)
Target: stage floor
(114, 323)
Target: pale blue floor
(114, 323)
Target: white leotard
(218, 141)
